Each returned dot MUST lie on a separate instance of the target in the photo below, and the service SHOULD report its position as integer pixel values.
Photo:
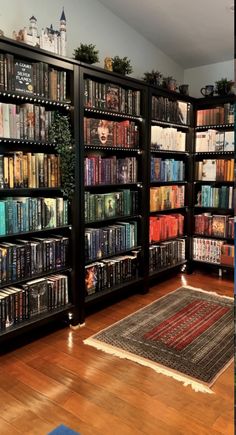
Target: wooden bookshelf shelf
(110, 113)
(44, 274)
(204, 236)
(29, 191)
(20, 142)
(111, 186)
(31, 233)
(30, 98)
(169, 152)
(167, 183)
(173, 266)
(171, 239)
(218, 265)
(170, 124)
(215, 127)
(89, 299)
(113, 219)
(216, 154)
(213, 209)
(214, 182)
(117, 254)
(169, 210)
(113, 149)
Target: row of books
(109, 170)
(218, 197)
(103, 132)
(213, 140)
(216, 116)
(18, 304)
(167, 169)
(109, 273)
(23, 214)
(165, 227)
(29, 170)
(27, 258)
(166, 197)
(164, 109)
(108, 96)
(36, 78)
(25, 121)
(215, 170)
(214, 225)
(107, 205)
(166, 254)
(208, 250)
(110, 240)
(167, 138)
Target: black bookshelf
(225, 124)
(64, 105)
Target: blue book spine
(2, 218)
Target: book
(24, 77)
(112, 97)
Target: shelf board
(169, 210)
(28, 191)
(110, 186)
(39, 275)
(157, 272)
(157, 151)
(170, 124)
(113, 219)
(203, 236)
(214, 182)
(36, 321)
(21, 142)
(31, 98)
(168, 240)
(214, 153)
(112, 148)
(117, 254)
(215, 127)
(221, 266)
(214, 209)
(103, 293)
(26, 233)
(111, 113)
(167, 183)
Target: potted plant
(169, 83)
(86, 53)
(152, 78)
(224, 86)
(121, 65)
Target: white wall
(207, 75)
(89, 21)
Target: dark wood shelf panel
(112, 148)
(167, 183)
(171, 239)
(36, 276)
(20, 142)
(28, 191)
(20, 98)
(214, 182)
(36, 321)
(111, 113)
(158, 272)
(35, 232)
(113, 219)
(214, 154)
(171, 152)
(117, 254)
(203, 236)
(219, 266)
(169, 210)
(108, 292)
(214, 209)
(215, 127)
(110, 186)
(170, 124)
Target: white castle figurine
(50, 39)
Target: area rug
(187, 334)
(63, 430)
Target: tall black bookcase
(34, 84)
(119, 106)
(171, 123)
(213, 183)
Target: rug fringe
(205, 291)
(195, 385)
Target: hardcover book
(24, 77)
(112, 97)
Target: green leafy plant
(224, 86)
(86, 53)
(60, 134)
(121, 65)
(153, 77)
(169, 83)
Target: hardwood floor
(56, 379)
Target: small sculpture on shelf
(49, 39)
(169, 83)
(108, 63)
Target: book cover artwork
(24, 77)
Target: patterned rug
(187, 334)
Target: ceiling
(191, 32)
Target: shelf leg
(78, 326)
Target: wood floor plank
(57, 379)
